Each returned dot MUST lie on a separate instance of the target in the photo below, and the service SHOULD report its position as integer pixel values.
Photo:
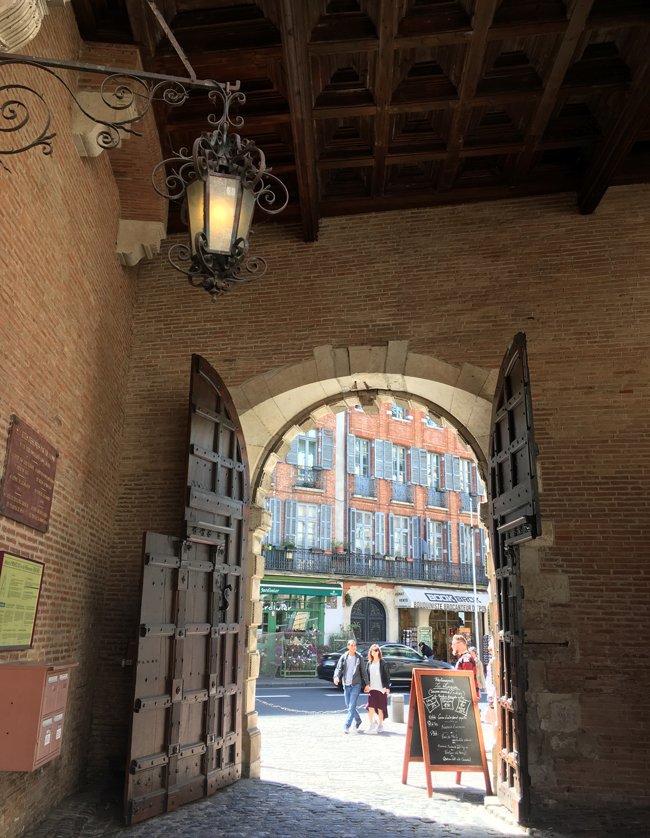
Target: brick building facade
(418, 303)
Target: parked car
(401, 660)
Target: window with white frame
(431, 423)
(398, 412)
(434, 540)
(363, 532)
(362, 457)
(307, 525)
(401, 535)
(399, 464)
(433, 465)
(308, 449)
(465, 543)
(466, 475)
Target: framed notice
(28, 485)
(20, 592)
(444, 726)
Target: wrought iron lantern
(220, 184)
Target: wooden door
(187, 711)
(514, 518)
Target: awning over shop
(443, 599)
(301, 590)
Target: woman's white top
(375, 677)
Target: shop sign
(299, 590)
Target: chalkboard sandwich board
(444, 727)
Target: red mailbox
(33, 697)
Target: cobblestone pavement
(316, 781)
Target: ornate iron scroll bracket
(121, 91)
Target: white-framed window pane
(435, 540)
(465, 547)
(398, 412)
(308, 449)
(362, 457)
(401, 535)
(466, 475)
(432, 470)
(399, 464)
(363, 532)
(307, 525)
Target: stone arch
(277, 405)
(372, 590)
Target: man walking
(465, 659)
(351, 668)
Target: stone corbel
(20, 21)
(85, 131)
(138, 240)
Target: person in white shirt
(377, 689)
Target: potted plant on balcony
(338, 546)
(289, 547)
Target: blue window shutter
(422, 455)
(456, 466)
(292, 453)
(388, 460)
(379, 458)
(445, 544)
(327, 448)
(482, 545)
(472, 488)
(416, 537)
(353, 530)
(350, 463)
(325, 527)
(461, 543)
(415, 466)
(449, 473)
(391, 534)
(290, 512)
(275, 534)
(380, 532)
(450, 543)
(441, 476)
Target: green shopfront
(296, 605)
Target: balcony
(403, 492)
(437, 497)
(468, 502)
(308, 478)
(358, 564)
(365, 487)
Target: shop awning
(301, 590)
(442, 599)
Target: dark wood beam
(527, 30)
(611, 152)
(353, 205)
(383, 92)
(295, 36)
(332, 47)
(561, 64)
(483, 14)
(437, 39)
(344, 112)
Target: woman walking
(379, 678)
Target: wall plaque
(20, 591)
(26, 494)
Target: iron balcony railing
(403, 492)
(308, 477)
(365, 486)
(437, 497)
(358, 564)
(468, 502)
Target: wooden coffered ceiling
(370, 105)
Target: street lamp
(219, 184)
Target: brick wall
(65, 317)
(457, 283)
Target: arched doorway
(369, 618)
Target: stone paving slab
(316, 781)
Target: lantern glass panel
(246, 214)
(195, 209)
(223, 195)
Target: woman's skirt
(378, 701)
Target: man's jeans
(351, 697)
